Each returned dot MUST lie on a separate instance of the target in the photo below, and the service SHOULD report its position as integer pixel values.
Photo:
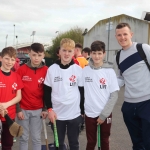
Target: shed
(104, 30)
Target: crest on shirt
(102, 83)
(40, 82)
(14, 88)
(72, 80)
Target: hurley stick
(99, 137)
(56, 135)
(45, 133)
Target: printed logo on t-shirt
(14, 88)
(40, 82)
(2, 85)
(72, 80)
(26, 78)
(102, 83)
(57, 79)
(88, 79)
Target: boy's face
(7, 63)
(97, 57)
(85, 55)
(124, 36)
(66, 55)
(36, 58)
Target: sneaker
(49, 124)
(14, 140)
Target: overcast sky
(48, 16)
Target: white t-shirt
(65, 94)
(98, 84)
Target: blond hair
(67, 43)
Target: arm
(47, 99)
(81, 89)
(13, 101)
(47, 96)
(120, 78)
(109, 105)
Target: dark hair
(87, 50)
(57, 50)
(0, 53)
(9, 51)
(98, 46)
(37, 47)
(78, 45)
(122, 25)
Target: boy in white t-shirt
(101, 93)
(62, 91)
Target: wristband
(50, 109)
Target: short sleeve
(80, 77)
(48, 78)
(19, 82)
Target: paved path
(119, 139)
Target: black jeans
(137, 119)
(72, 128)
(6, 137)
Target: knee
(24, 138)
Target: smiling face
(66, 52)
(97, 57)
(7, 63)
(124, 36)
(66, 55)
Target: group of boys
(71, 93)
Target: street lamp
(6, 40)
(16, 41)
(33, 33)
(14, 35)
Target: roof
(117, 19)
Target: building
(104, 30)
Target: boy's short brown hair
(67, 43)
(98, 46)
(9, 51)
(78, 45)
(122, 25)
(37, 47)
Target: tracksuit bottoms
(31, 124)
(91, 132)
(137, 119)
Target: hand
(99, 121)
(52, 116)
(20, 115)
(44, 114)
(3, 111)
(4, 105)
(83, 115)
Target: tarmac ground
(119, 139)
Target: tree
(74, 34)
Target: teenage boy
(0, 59)
(136, 75)
(29, 116)
(77, 53)
(86, 53)
(10, 93)
(101, 93)
(62, 85)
